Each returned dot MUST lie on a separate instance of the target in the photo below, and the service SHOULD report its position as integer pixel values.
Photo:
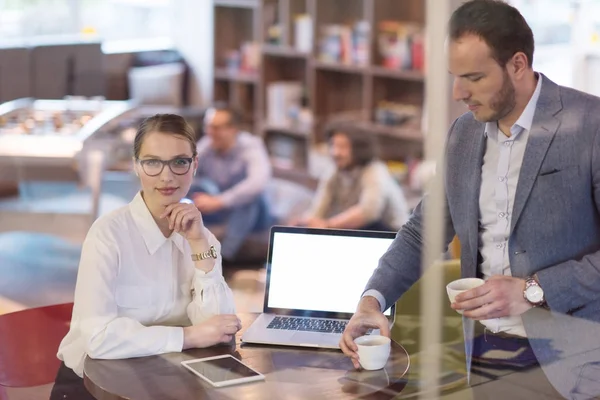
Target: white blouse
(136, 290)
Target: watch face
(534, 294)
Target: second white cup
(462, 285)
(373, 351)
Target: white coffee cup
(373, 351)
(456, 287)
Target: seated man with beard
(361, 193)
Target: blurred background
(77, 77)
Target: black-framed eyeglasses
(155, 167)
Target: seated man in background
(361, 193)
(232, 175)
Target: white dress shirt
(499, 178)
(137, 289)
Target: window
(29, 20)
(127, 19)
(552, 24)
(21, 19)
(592, 9)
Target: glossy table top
(291, 373)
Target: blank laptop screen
(321, 272)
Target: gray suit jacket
(555, 228)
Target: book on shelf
(401, 45)
(303, 33)
(282, 98)
(345, 44)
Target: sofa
(290, 195)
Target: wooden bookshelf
(408, 75)
(339, 67)
(333, 89)
(223, 74)
(412, 134)
(283, 51)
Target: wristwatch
(210, 253)
(533, 292)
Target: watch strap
(210, 253)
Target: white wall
(193, 36)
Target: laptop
(315, 279)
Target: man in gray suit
(522, 188)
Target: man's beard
(342, 165)
(504, 101)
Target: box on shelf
(282, 99)
(303, 33)
(401, 45)
(246, 59)
(395, 114)
(251, 56)
(345, 44)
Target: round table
(291, 373)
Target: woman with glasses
(150, 277)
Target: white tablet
(222, 370)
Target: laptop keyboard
(308, 324)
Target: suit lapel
(543, 129)
(475, 160)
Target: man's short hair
(235, 117)
(499, 24)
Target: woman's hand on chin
(185, 219)
(218, 329)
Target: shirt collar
(150, 231)
(525, 120)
